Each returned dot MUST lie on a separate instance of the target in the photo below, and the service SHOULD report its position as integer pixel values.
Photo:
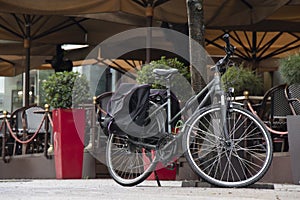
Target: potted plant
(64, 91)
(180, 83)
(242, 79)
(289, 68)
(145, 75)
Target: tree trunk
(196, 32)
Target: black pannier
(128, 111)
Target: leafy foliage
(145, 75)
(290, 69)
(242, 79)
(66, 89)
(180, 83)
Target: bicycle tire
(130, 164)
(127, 164)
(238, 162)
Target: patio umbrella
(130, 12)
(276, 35)
(14, 65)
(30, 26)
(217, 13)
(38, 35)
(284, 16)
(37, 14)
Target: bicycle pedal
(170, 166)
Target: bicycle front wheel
(128, 164)
(237, 161)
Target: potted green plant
(289, 68)
(64, 91)
(145, 75)
(180, 83)
(242, 79)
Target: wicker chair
(272, 110)
(292, 93)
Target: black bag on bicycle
(128, 111)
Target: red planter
(68, 136)
(163, 173)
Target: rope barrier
(16, 138)
(6, 125)
(50, 119)
(2, 124)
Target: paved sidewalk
(108, 189)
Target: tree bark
(196, 32)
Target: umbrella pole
(149, 14)
(27, 67)
(27, 76)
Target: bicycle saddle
(165, 72)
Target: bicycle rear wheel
(128, 164)
(238, 161)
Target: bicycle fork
(223, 108)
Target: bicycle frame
(213, 88)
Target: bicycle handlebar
(229, 50)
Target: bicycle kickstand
(157, 178)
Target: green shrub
(146, 76)
(290, 69)
(242, 79)
(180, 83)
(66, 89)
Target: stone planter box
(293, 124)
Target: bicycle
(223, 143)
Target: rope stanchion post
(48, 122)
(3, 126)
(93, 130)
(246, 95)
(47, 130)
(90, 146)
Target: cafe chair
(32, 121)
(17, 127)
(272, 110)
(292, 93)
(101, 111)
(9, 143)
